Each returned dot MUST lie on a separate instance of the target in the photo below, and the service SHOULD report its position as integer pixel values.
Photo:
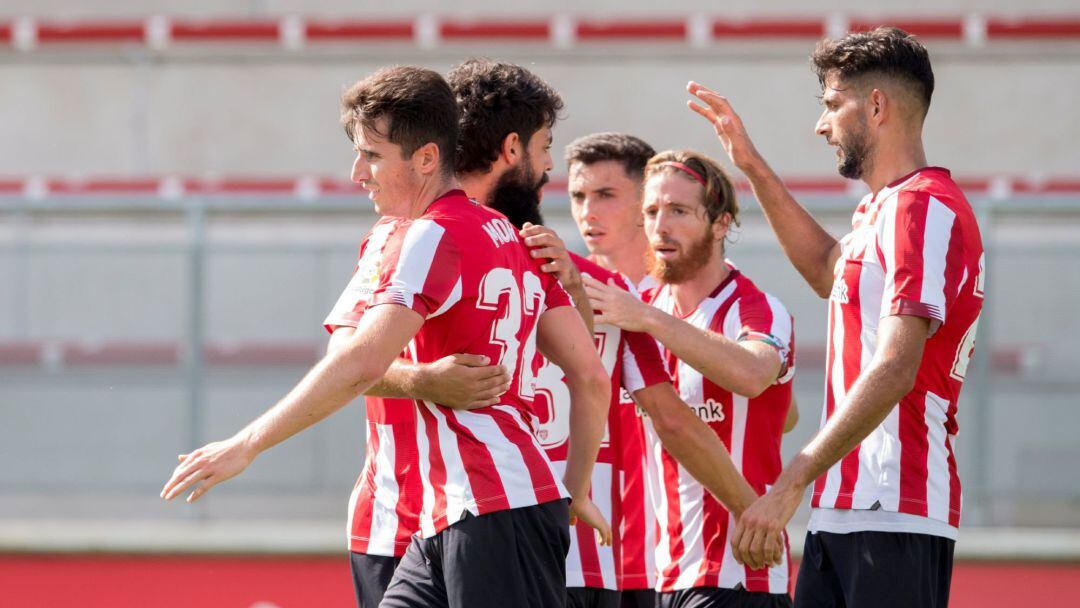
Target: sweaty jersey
(464, 269)
(694, 548)
(914, 249)
(384, 507)
(633, 363)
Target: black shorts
(591, 597)
(879, 569)
(638, 598)
(715, 597)
(515, 558)
(371, 575)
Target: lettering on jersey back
(501, 231)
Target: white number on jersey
(504, 332)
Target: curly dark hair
(631, 151)
(884, 51)
(418, 105)
(497, 99)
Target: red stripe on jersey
(590, 558)
(361, 530)
(436, 468)
(954, 488)
(914, 436)
(851, 360)
(714, 540)
(479, 467)
(830, 403)
(543, 481)
(674, 517)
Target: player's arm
(792, 417)
(544, 243)
(563, 339)
(745, 367)
(811, 249)
(890, 375)
(695, 446)
(460, 381)
(341, 376)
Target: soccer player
(453, 278)
(728, 345)
(606, 190)
(384, 507)
(905, 289)
(507, 116)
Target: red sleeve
(420, 269)
(554, 294)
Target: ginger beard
(692, 258)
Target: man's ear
(511, 151)
(720, 226)
(879, 105)
(427, 158)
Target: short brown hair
(631, 151)
(884, 51)
(417, 104)
(719, 196)
(497, 99)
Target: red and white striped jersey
(384, 508)
(694, 548)
(464, 269)
(914, 249)
(633, 362)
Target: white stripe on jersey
(936, 238)
(518, 488)
(456, 477)
(415, 259)
(453, 298)
(384, 520)
(937, 461)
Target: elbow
(823, 287)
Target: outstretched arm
(812, 250)
(337, 379)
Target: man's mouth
(665, 251)
(593, 234)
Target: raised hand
(727, 124)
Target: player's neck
(631, 261)
(689, 294)
(893, 161)
(429, 192)
(478, 185)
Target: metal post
(979, 380)
(195, 216)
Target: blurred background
(176, 220)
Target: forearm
(590, 400)
(330, 385)
(696, 447)
(872, 397)
(723, 361)
(809, 247)
(581, 303)
(404, 380)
